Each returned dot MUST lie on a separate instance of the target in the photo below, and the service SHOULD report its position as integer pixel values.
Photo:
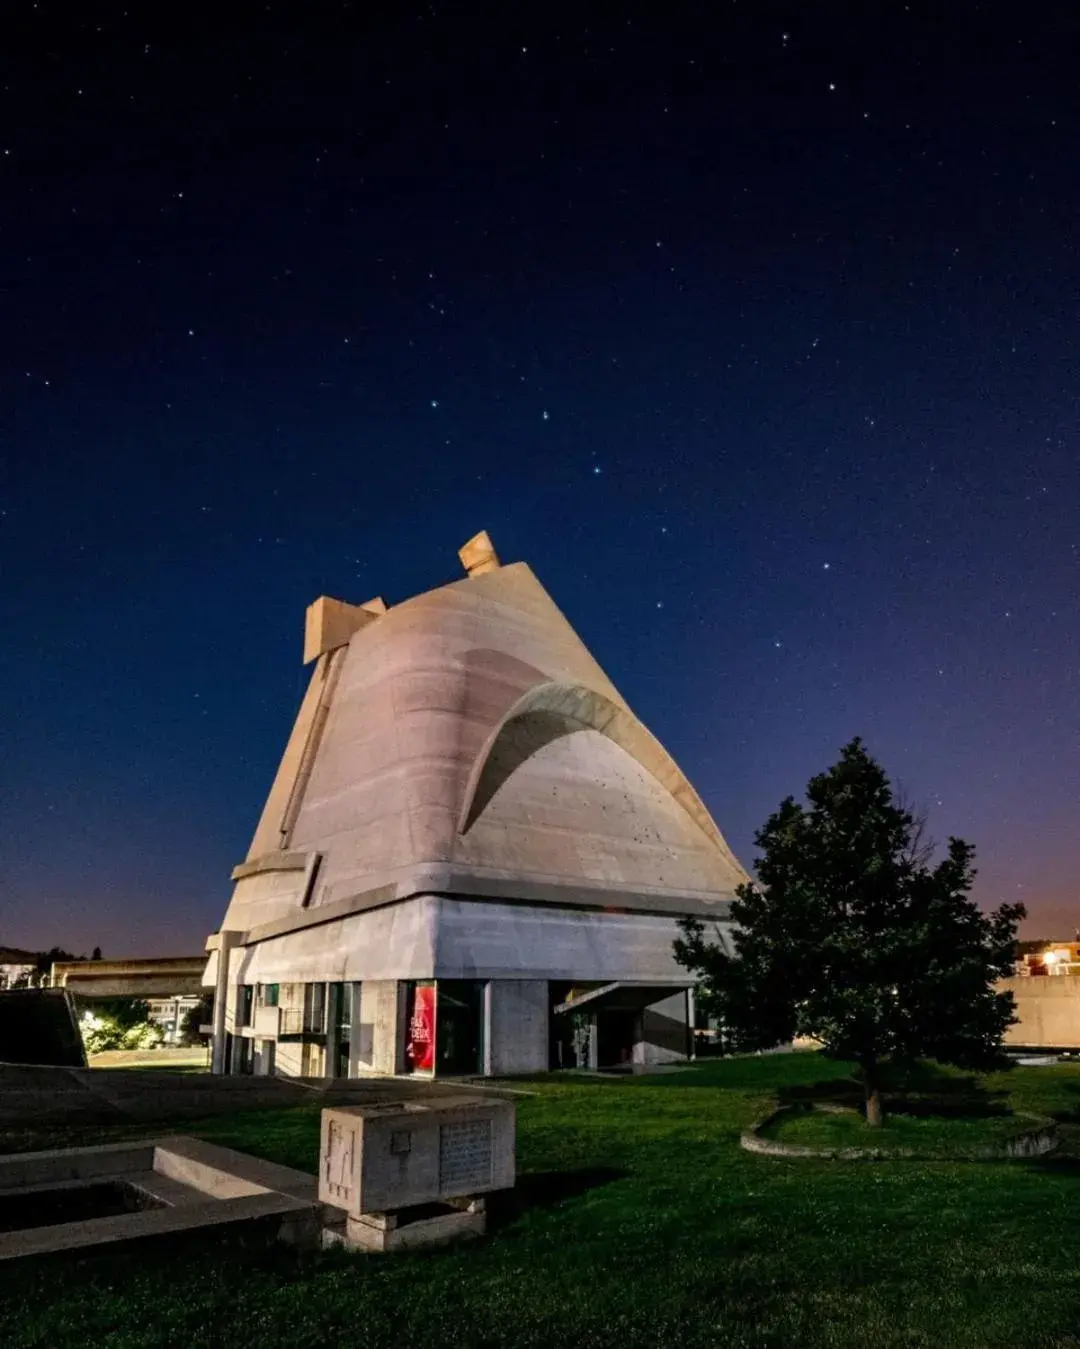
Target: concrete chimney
(479, 555)
(330, 623)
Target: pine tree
(854, 937)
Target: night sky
(752, 328)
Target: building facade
(473, 857)
(1040, 958)
(18, 969)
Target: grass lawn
(946, 1137)
(638, 1221)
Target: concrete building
(1054, 958)
(1046, 990)
(18, 969)
(170, 1014)
(472, 858)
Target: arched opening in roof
(551, 710)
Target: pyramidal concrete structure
(472, 858)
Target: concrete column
(375, 1026)
(516, 1026)
(226, 942)
(486, 1031)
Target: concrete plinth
(381, 1232)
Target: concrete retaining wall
(1049, 1010)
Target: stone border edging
(1036, 1141)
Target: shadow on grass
(1068, 1114)
(922, 1090)
(1064, 1164)
(545, 1189)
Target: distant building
(1047, 958)
(18, 969)
(473, 857)
(1046, 993)
(170, 985)
(169, 1014)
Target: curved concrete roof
(465, 741)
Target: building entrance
(459, 1027)
(616, 1034)
(444, 1027)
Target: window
(244, 1004)
(341, 1001)
(459, 1022)
(269, 994)
(315, 1008)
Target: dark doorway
(341, 1001)
(459, 1036)
(244, 1054)
(616, 1035)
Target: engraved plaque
(337, 1175)
(465, 1154)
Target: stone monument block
(378, 1159)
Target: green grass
(934, 1134)
(638, 1221)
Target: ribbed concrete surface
(468, 735)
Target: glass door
(459, 1039)
(340, 1035)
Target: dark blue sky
(752, 327)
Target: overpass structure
(161, 977)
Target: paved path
(32, 1096)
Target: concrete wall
(432, 937)
(394, 942)
(1049, 1011)
(374, 1047)
(289, 1059)
(164, 977)
(381, 769)
(663, 1032)
(516, 1033)
(581, 808)
(501, 941)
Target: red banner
(421, 1046)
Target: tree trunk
(875, 1116)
